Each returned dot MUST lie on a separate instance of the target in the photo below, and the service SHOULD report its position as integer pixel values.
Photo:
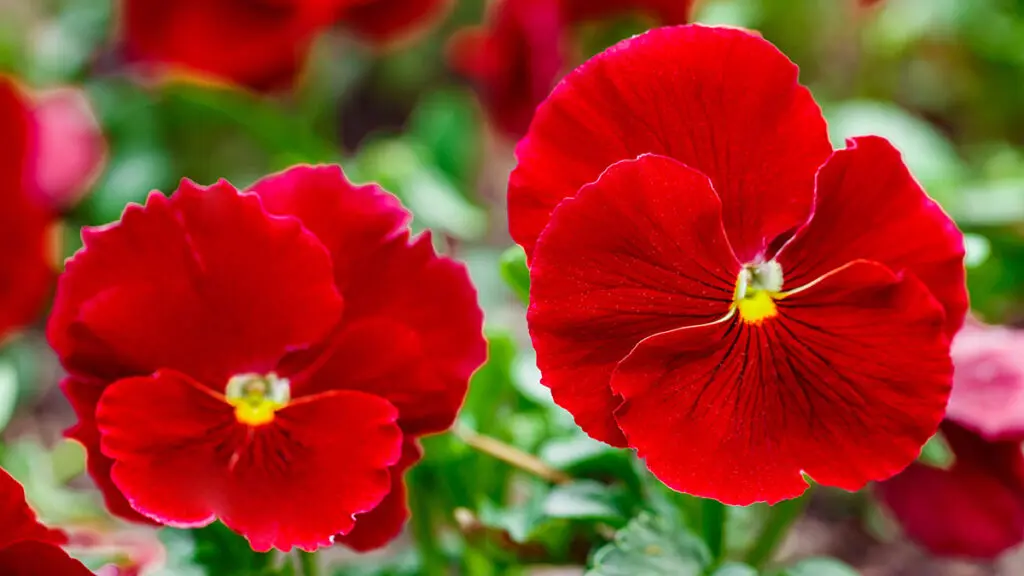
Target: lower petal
(34, 558)
(845, 385)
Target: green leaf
(937, 453)
(586, 500)
(819, 567)
(447, 122)
(515, 272)
(733, 569)
(649, 545)
(221, 552)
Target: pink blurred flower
(70, 148)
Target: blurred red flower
(518, 56)
(71, 150)
(717, 288)
(26, 270)
(267, 358)
(259, 44)
(976, 507)
(27, 548)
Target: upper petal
(639, 252)
(26, 271)
(845, 384)
(400, 295)
(868, 206)
(723, 101)
(205, 282)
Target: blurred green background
(942, 79)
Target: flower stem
(511, 455)
(712, 523)
(308, 564)
(780, 519)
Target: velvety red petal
(26, 271)
(845, 385)
(639, 252)
(32, 558)
(382, 524)
(71, 147)
(868, 206)
(664, 11)
(17, 520)
(261, 45)
(383, 21)
(514, 61)
(181, 457)
(723, 101)
(988, 386)
(84, 397)
(206, 283)
(975, 509)
(394, 288)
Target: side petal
(381, 525)
(171, 442)
(639, 252)
(869, 206)
(84, 397)
(33, 558)
(387, 21)
(975, 509)
(721, 100)
(205, 282)
(17, 520)
(304, 479)
(845, 384)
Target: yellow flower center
(257, 397)
(757, 288)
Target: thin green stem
(780, 519)
(308, 564)
(712, 524)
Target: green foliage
(515, 272)
(650, 545)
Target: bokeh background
(942, 79)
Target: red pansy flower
(26, 271)
(27, 548)
(259, 44)
(267, 358)
(976, 507)
(716, 287)
(516, 59)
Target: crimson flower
(27, 548)
(266, 358)
(717, 288)
(516, 59)
(976, 507)
(259, 44)
(26, 273)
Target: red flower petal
(382, 524)
(385, 21)
(181, 457)
(975, 509)
(723, 101)
(988, 385)
(26, 273)
(846, 384)
(32, 558)
(868, 206)
(664, 11)
(84, 397)
(206, 283)
(513, 62)
(261, 45)
(71, 150)
(639, 252)
(412, 331)
(17, 520)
